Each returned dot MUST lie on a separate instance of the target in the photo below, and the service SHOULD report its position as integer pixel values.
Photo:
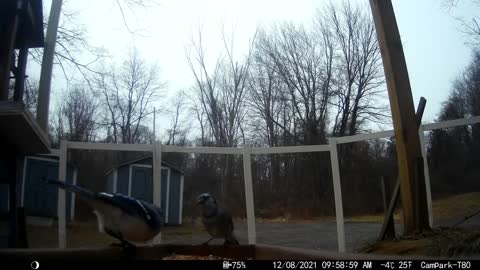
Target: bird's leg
(116, 236)
(206, 243)
(124, 244)
(115, 244)
(127, 246)
(230, 240)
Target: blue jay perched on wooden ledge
(216, 219)
(122, 217)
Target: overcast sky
(434, 47)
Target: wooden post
(403, 114)
(154, 126)
(337, 191)
(421, 133)
(47, 65)
(389, 232)
(62, 176)
(157, 183)
(247, 178)
(7, 44)
(20, 74)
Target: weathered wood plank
(21, 131)
(403, 114)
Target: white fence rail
(246, 152)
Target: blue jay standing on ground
(122, 217)
(216, 219)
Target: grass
(456, 207)
(455, 242)
(445, 209)
(444, 242)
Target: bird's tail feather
(72, 188)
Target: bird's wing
(110, 204)
(129, 205)
(226, 219)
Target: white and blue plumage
(122, 217)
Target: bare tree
(75, 116)
(128, 92)
(221, 92)
(177, 133)
(305, 67)
(73, 51)
(470, 26)
(132, 5)
(266, 97)
(221, 98)
(358, 68)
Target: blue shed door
(163, 203)
(142, 185)
(41, 199)
(174, 199)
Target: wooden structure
(38, 199)
(20, 136)
(247, 152)
(21, 28)
(409, 154)
(242, 252)
(388, 227)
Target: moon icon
(35, 265)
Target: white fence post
(62, 173)
(157, 183)
(428, 189)
(247, 178)
(337, 190)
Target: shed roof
(142, 159)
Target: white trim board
(114, 181)
(337, 192)
(167, 200)
(140, 165)
(72, 198)
(180, 205)
(129, 191)
(62, 175)
(110, 146)
(259, 150)
(249, 201)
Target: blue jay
(216, 219)
(122, 217)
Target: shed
(38, 198)
(135, 179)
